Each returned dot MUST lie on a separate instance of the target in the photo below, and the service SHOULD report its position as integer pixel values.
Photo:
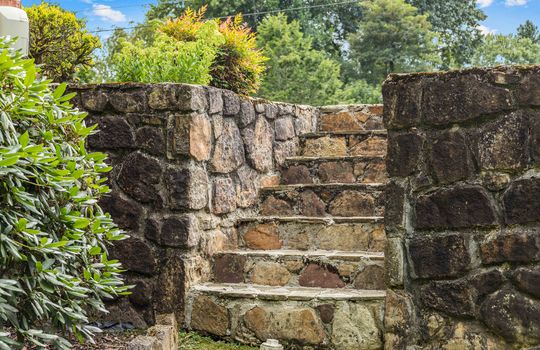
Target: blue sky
(503, 15)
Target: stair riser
(371, 170)
(318, 202)
(359, 118)
(316, 324)
(344, 145)
(300, 271)
(312, 236)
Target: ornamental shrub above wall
(53, 235)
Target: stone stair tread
(254, 291)
(307, 159)
(375, 186)
(336, 254)
(314, 219)
(318, 134)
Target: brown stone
(439, 256)
(231, 103)
(135, 255)
(371, 277)
(326, 311)
(269, 181)
(263, 237)
(200, 137)
(247, 113)
(527, 90)
(343, 121)
(352, 203)
(300, 324)
(259, 144)
(125, 213)
(325, 147)
(207, 316)
(296, 175)
(229, 268)
(283, 150)
(373, 172)
(373, 146)
(394, 195)
(139, 177)
(535, 137)
(246, 187)
(311, 204)
(215, 100)
(187, 188)
(528, 280)
(402, 101)
(95, 101)
(174, 231)
(337, 172)
(270, 274)
(399, 311)
(450, 159)
(170, 295)
(224, 198)
(113, 133)
(151, 140)
(284, 128)
(129, 102)
(318, 276)
(404, 151)
(513, 247)
(522, 201)
(229, 149)
(343, 237)
(457, 207)
(273, 206)
(454, 298)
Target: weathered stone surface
(151, 140)
(114, 133)
(215, 100)
(338, 172)
(373, 146)
(326, 312)
(141, 293)
(172, 280)
(187, 188)
(527, 90)
(319, 276)
(325, 147)
(181, 231)
(285, 149)
(372, 172)
(399, 316)
(355, 328)
(450, 159)
(522, 201)
(352, 203)
(404, 151)
(229, 268)
(402, 103)
(263, 237)
(273, 206)
(128, 101)
(125, 213)
(270, 110)
(394, 195)
(95, 101)
(343, 121)
(512, 315)
(139, 177)
(224, 196)
(465, 97)
(207, 316)
(344, 237)
(454, 298)
(229, 149)
(304, 121)
(143, 342)
(259, 140)
(394, 259)
(284, 128)
(457, 207)
(295, 175)
(247, 113)
(231, 103)
(439, 256)
(371, 277)
(246, 187)
(200, 137)
(535, 137)
(270, 274)
(311, 204)
(528, 280)
(502, 144)
(178, 97)
(296, 324)
(269, 181)
(135, 255)
(513, 247)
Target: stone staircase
(309, 270)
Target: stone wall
(463, 209)
(187, 163)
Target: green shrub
(53, 234)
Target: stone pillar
(463, 209)
(187, 163)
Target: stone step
(295, 268)
(351, 118)
(339, 144)
(309, 233)
(348, 169)
(297, 317)
(337, 200)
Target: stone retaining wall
(187, 163)
(463, 209)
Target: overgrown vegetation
(194, 341)
(54, 235)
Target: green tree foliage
(500, 49)
(529, 30)
(59, 42)
(359, 91)
(54, 236)
(296, 72)
(456, 24)
(393, 37)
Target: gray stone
(450, 159)
(259, 144)
(187, 188)
(284, 128)
(355, 328)
(224, 196)
(229, 149)
(231, 103)
(246, 187)
(247, 113)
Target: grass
(194, 341)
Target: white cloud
(107, 13)
(485, 30)
(484, 3)
(516, 2)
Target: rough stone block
(152, 140)
(231, 103)
(394, 259)
(449, 157)
(457, 207)
(296, 175)
(521, 201)
(274, 207)
(439, 256)
(263, 237)
(200, 137)
(311, 205)
(210, 317)
(129, 101)
(165, 335)
(402, 103)
(94, 100)
(143, 342)
(394, 211)
(284, 128)
(454, 298)
(337, 172)
(246, 187)
(511, 247)
(355, 327)
(224, 196)
(404, 152)
(114, 133)
(371, 278)
(270, 274)
(527, 90)
(179, 232)
(215, 100)
(125, 212)
(353, 203)
(259, 141)
(229, 268)
(318, 276)
(229, 149)
(135, 255)
(140, 177)
(187, 188)
(535, 137)
(528, 280)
